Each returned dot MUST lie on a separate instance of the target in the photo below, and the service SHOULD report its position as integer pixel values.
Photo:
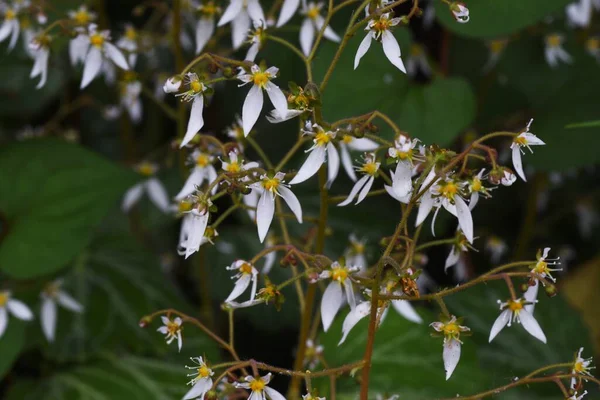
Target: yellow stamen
(146, 169)
(476, 186)
(209, 9)
(233, 167)
(339, 274)
(358, 248)
(405, 155)
(204, 371)
(593, 44)
(553, 40)
(196, 86)
(451, 329)
(172, 328)
(369, 168)
(131, 33)
(184, 206)
(246, 268)
(261, 79)
(322, 138)
(257, 385)
(10, 14)
(271, 184)
(515, 306)
(347, 139)
(382, 25)
(97, 40)
(82, 17)
(3, 299)
(202, 160)
(578, 367)
(449, 190)
(496, 46)
(520, 140)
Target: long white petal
(232, 10)
(333, 163)
(292, 202)
(158, 194)
(406, 309)
(195, 179)
(78, 48)
(68, 302)
(204, 31)
(240, 286)
(402, 182)
(424, 208)
(517, 163)
(197, 228)
(116, 55)
(48, 318)
(252, 53)
(531, 295)
(264, 214)
(251, 108)
(307, 36)
(465, 220)
(239, 29)
(5, 30)
(451, 356)
(15, 34)
(93, 63)
(332, 300)
(392, 50)
(355, 189)
(362, 49)
(277, 97)
(500, 323)
(288, 9)
(132, 196)
(202, 386)
(531, 325)
(452, 258)
(313, 162)
(360, 311)
(196, 121)
(328, 33)
(390, 190)
(473, 200)
(273, 394)
(347, 162)
(255, 11)
(363, 144)
(19, 310)
(365, 190)
(3, 320)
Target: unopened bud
(145, 321)
(172, 84)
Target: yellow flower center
(271, 184)
(515, 306)
(449, 190)
(593, 44)
(358, 248)
(146, 169)
(10, 14)
(496, 46)
(131, 33)
(233, 167)
(82, 17)
(578, 367)
(553, 40)
(476, 185)
(204, 371)
(25, 23)
(347, 139)
(97, 40)
(257, 385)
(381, 25)
(246, 268)
(520, 140)
(300, 100)
(451, 329)
(260, 79)
(3, 299)
(184, 206)
(541, 267)
(339, 274)
(209, 9)
(313, 12)
(322, 138)
(369, 168)
(405, 155)
(202, 160)
(51, 289)
(196, 86)
(172, 328)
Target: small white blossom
(592, 46)
(131, 101)
(417, 61)
(514, 310)
(579, 13)
(40, 48)
(51, 296)
(525, 139)
(496, 247)
(129, 43)
(195, 210)
(240, 13)
(203, 170)
(201, 379)
(172, 330)
(554, 52)
(348, 143)
(460, 12)
(98, 49)
(256, 39)
(362, 187)
(11, 26)
(313, 354)
(196, 96)
(313, 23)
(205, 27)
(337, 292)
(156, 191)
(452, 343)
(496, 49)
(259, 388)
(246, 273)
(380, 30)
(582, 367)
(323, 147)
(15, 307)
(355, 253)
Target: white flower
(579, 13)
(82, 16)
(97, 49)
(201, 381)
(128, 42)
(172, 84)
(269, 187)
(172, 330)
(322, 147)
(195, 95)
(380, 30)
(592, 46)
(246, 273)
(514, 310)
(206, 24)
(578, 397)
(259, 388)
(349, 142)
(130, 99)
(369, 168)
(554, 51)
(52, 295)
(476, 188)
(156, 191)
(235, 164)
(17, 308)
(401, 188)
(496, 49)
(354, 316)
(402, 307)
(497, 247)
(451, 353)
(460, 12)
(508, 178)
(288, 9)
(256, 39)
(355, 254)
(313, 24)
(339, 290)
(240, 13)
(203, 170)
(195, 210)
(417, 61)
(581, 366)
(542, 268)
(40, 48)
(525, 139)
(460, 245)
(254, 100)
(10, 26)
(312, 354)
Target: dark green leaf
(11, 344)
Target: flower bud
(172, 84)
(459, 11)
(550, 290)
(145, 321)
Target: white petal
(288, 9)
(500, 323)
(390, 190)
(307, 36)
(255, 11)
(93, 63)
(402, 182)
(531, 295)
(452, 258)
(360, 311)
(68, 302)
(196, 121)
(355, 189)
(362, 144)
(392, 50)
(253, 52)
(362, 49)
(349, 291)
(406, 309)
(273, 394)
(239, 29)
(365, 190)
(5, 30)
(19, 310)
(196, 233)
(292, 202)
(332, 300)
(3, 320)
(277, 97)
(78, 48)
(465, 220)
(451, 356)
(116, 55)
(424, 208)
(517, 163)
(195, 179)
(328, 33)
(264, 214)
(240, 287)
(202, 386)
(333, 163)
(158, 194)
(473, 201)
(531, 325)
(251, 109)
(15, 34)
(48, 318)
(232, 10)
(313, 162)
(347, 162)
(204, 31)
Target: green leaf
(435, 113)
(11, 344)
(492, 18)
(52, 194)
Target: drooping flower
(496, 47)
(256, 38)
(355, 253)
(156, 191)
(259, 388)
(312, 354)
(246, 273)
(417, 61)
(476, 188)
(581, 366)
(51, 296)
(460, 245)
(369, 168)
(451, 329)
(129, 43)
(11, 26)
(337, 292)
(201, 379)
(357, 313)
(131, 90)
(579, 13)
(196, 212)
(349, 142)
(172, 330)
(496, 247)
(554, 51)
(323, 147)
(525, 139)
(269, 187)
(379, 29)
(240, 13)
(98, 50)
(13, 306)
(514, 310)
(261, 80)
(313, 23)
(401, 188)
(459, 11)
(203, 170)
(542, 270)
(40, 48)
(195, 94)
(205, 26)
(299, 101)
(172, 84)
